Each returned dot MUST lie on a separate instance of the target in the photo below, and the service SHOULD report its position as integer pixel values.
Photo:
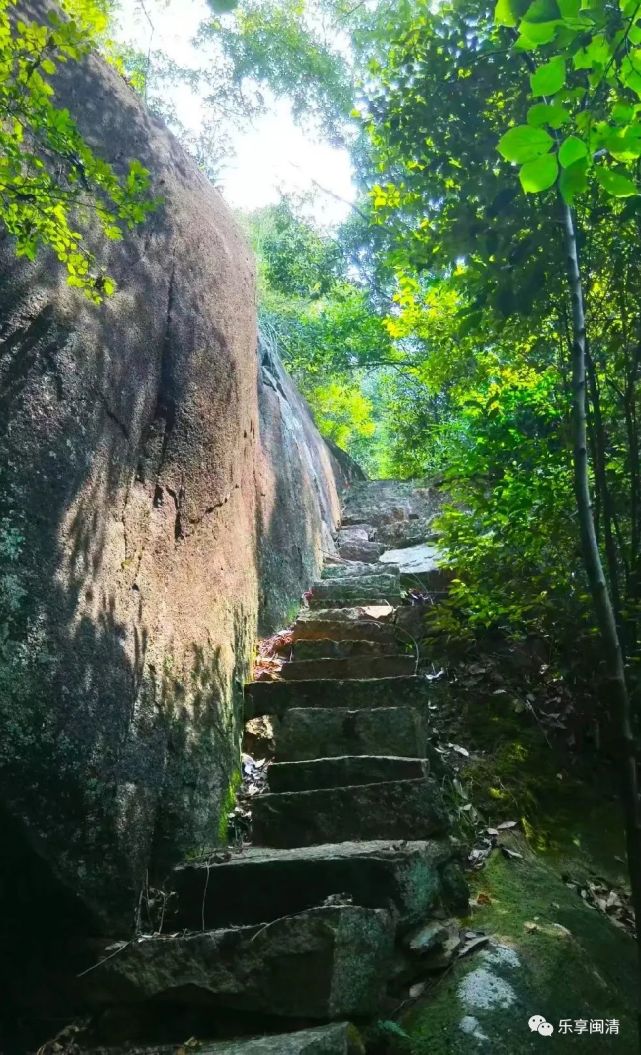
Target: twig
(111, 955)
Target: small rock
(427, 938)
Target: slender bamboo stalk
(618, 701)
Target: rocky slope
(150, 468)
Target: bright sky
(273, 155)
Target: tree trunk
(618, 702)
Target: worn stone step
(259, 884)
(355, 586)
(359, 549)
(352, 568)
(398, 809)
(337, 1038)
(326, 648)
(357, 599)
(344, 624)
(327, 963)
(341, 574)
(275, 697)
(304, 733)
(358, 667)
(343, 770)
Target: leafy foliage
(49, 176)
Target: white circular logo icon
(538, 1024)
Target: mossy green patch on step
(550, 954)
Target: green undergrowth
(557, 957)
(550, 953)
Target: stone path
(350, 844)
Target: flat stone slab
(352, 667)
(399, 809)
(304, 733)
(326, 648)
(338, 1038)
(344, 770)
(368, 596)
(417, 559)
(259, 884)
(327, 963)
(276, 697)
(345, 624)
(359, 549)
(385, 577)
(350, 568)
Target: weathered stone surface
(356, 598)
(360, 549)
(420, 565)
(258, 884)
(400, 809)
(136, 470)
(314, 732)
(339, 584)
(360, 667)
(356, 533)
(322, 964)
(338, 1038)
(298, 498)
(401, 513)
(275, 697)
(325, 648)
(342, 569)
(346, 769)
(343, 624)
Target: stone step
(354, 667)
(377, 598)
(327, 963)
(259, 885)
(338, 1038)
(305, 733)
(355, 574)
(355, 586)
(398, 809)
(326, 648)
(345, 624)
(352, 568)
(360, 549)
(276, 697)
(343, 770)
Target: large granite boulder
(143, 496)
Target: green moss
(227, 805)
(572, 963)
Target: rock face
(322, 964)
(149, 471)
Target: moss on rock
(550, 954)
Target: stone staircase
(299, 933)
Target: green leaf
(549, 78)
(569, 8)
(626, 145)
(542, 11)
(540, 174)
(622, 113)
(574, 180)
(536, 33)
(615, 183)
(504, 14)
(552, 114)
(524, 143)
(571, 150)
